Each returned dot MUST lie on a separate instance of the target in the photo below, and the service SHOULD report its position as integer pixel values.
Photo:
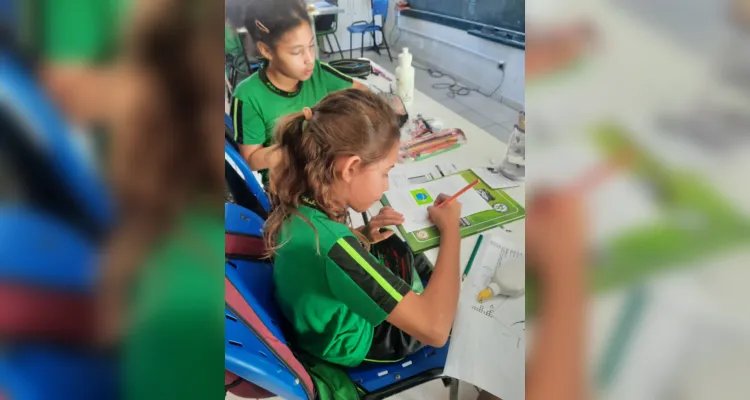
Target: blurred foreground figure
(54, 215)
(160, 300)
(162, 292)
(556, 249)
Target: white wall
(470, 59)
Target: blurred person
(555, 248)
(556, 252)
(162, 297)
(77, 41)
(549, 51)
(291, 79)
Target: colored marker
(471, 259)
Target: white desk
(316, 12)
(480, 148)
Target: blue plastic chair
(249, 356)
(241, 183)
(379, 7)
(48, 243)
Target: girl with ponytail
(344, 305)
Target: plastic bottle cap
(485, 294)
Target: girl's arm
(259, 157)
(429, 317)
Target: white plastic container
(405, 76)
(509, 280)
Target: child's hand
(555, 233)
(386, 217)
(446, 217)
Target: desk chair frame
(379, 7)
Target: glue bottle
(509, 280)
(405, 76)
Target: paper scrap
(488, 341)
(494, 180)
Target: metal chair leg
(330, 46)
(388, 49)
(375, 42)
(453, 390)
(339, 46)
(350, 45)
(362, 49)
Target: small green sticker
(421, 197)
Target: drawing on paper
(421, 197)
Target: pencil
(460, 192)
(473, 255)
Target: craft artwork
(482, 207)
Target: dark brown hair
(166, 150)
(345, 123)
(268, 20)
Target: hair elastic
(308, 113)
(261, 26)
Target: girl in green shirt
(291, 79)
(162, 293)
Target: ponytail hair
(345, 123)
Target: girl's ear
(265, 51)
(349, 167)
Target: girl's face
(294, 54)
(363, 186)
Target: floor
(433, 390)
(488, 114)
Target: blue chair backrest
(240, 177)
(255, 347)
(39, 250)
(46, 136)
(47, 372)
(380, 7)
(47, 243)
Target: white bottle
(509, 280)
(405, 77)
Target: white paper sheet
(406, 200)
(494, 180)
(404, 175)
(487, 346)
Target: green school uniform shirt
(257, 104)
(332, 291)
(77, 30)
(175, 344)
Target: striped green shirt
(332, 291)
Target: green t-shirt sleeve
(248, 127)
(174, 349)
(81, 30)
(361, 282)
(332, 78)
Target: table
(316, 12)
(480, 148)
